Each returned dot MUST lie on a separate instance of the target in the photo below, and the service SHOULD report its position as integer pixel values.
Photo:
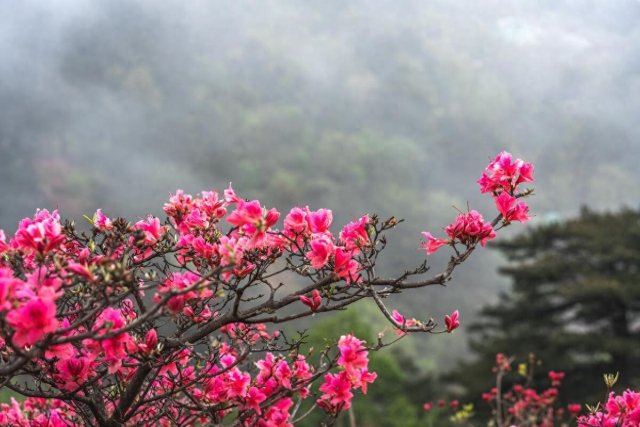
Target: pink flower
(399, 318)
(320, 220)
(237, 383)
(354, 235)
(202, 247)
(622, 410)
(230, 195)
(432, 244)
(353, 354)
(278, 414)
(101, 221)
(150, 342)
(346, 267)
(526, 173)
(301, 368)
(211, 204)
(511, 211)
(322, 249)
(452, 322)
(361, 379)
(8, 287)
(470, 228)
(556, 378)
(73, 372)
(245, 213)
(178, 282)
(178, 205)
(296, 222)
(282, 373)
(193, 221)
(336, 391)
(574, 408)
(427, 406)
(231, 250)
(313, 302)
(152, 230)
(32, 321)
(504, 174)
(115, 348)
(42, 234)
(254, 398)
(3, 242)
(253, 220)
(402, 322)
(265, 367)
(62, 351)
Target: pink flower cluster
(37, 412)
(78, 351)
(164, 322)
(191, 293)
(337, 389)
(30, 305)
(619, 411)
(305, 227)
(526, 403)
(197, 221)
(501, 178)
(151, 232)
(522, 405)
(41, 234)
(504, 174)
(275, 375)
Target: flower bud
(610, 380)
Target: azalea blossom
(432, 244)
(510, 210)
(101, 221)
(314, 302)
(345, 266)
(32, 320)
(354, 235)
(452, 321)
(42, 234)
(505, 174)
(322, 248)
(353, 355)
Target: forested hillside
(382, 106)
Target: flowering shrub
(522, 405)
(175, 322)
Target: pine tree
(574, 302)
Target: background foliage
(365, 106)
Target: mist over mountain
(368, 106)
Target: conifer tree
(574, 302)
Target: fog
(368, 106)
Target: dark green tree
(574, 302)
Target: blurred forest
(364, 106)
